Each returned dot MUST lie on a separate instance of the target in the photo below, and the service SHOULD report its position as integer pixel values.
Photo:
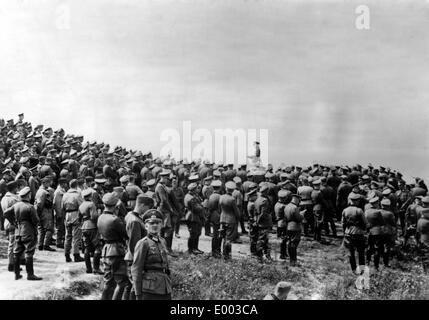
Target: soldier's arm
(94, 213)
(120, 227)
(343, 220)
(57, 204)
(9, 214)
(235, 208)
(134, 234)
(40, 202)
(34, 216)
(137, 268)
(297, 215)
(264, 210)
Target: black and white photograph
(221, 150)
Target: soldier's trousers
(194, 228)
(10, 234)
(253, 234)
(328, 221)
(45, 228)
(73, 238)
(60, 229)
(115, 278)
(24, 245)
(424, 256)
(293, 239)
(168, 232)
(263, 245)
(216, 240)
(376, 248)
(318, 222)
(389, 244)
(401, 218)
(282, 234)
(355, 242)
(129, 293)
(409, 232)
(308, 221)
(228, 234)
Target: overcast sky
(123, 71)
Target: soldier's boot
(40, 248)
(96, 266)
(11, 266)
(30, 270)
(196, 250)
(88, 265)
(283, 254)
(48, 248)
(207, 231)
(78, 258)
(68, 259)
(17, 269)
(253, 248)
(190, 245)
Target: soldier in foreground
(293, 219)
(150, 269)
(112, 230)
(24, 217)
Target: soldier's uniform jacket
(423, 226)
(136, 231)
(238, 196)
(279, 210)
(146, 174)
(318, 201)
(8, 201)
(44, 201)
(214, 208)
(24, 216)
(411, 216)
(34, 184)
(251, 210)
(89, 214)
(164, 204)
(375, 221)
(343, 192)
(329, 196)
(72, 199)
(194, 209)
(156, 171)
(133, 192)
(150, 269)
(151, 194)
(229, 174)
(242, 174)
(112, 231)
(263, 213)
(229, 211)
(58, 198)
(305, 193)
(206, 192)
(293, 217)
(45, 170)
(246, 188)
(389, 227)
(353, 221)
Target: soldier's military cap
(193, 178)
(152, 166)
(230, 185)
(365, 177)
(250, 174)
(151, 182)
(100, 180)
(385, 202)
(30, 135)
(263, 187)
(425, 199)
(109, 199)
(288, 169)
(47, 129)
(24, 160)
(24, 191)
(317, 182)
(252, 191)
(208, 178)
(158, 161)
(165, 173)
(152, 215)
(16, 136)
(62, 180)
(192, 186)
(216, 173)
(86, 192)
(282, 194)
(216, 183)
(124, 179)
(343, 176)
(354, 196)
(237, 179)
(386, 192)
(65, 161)
(7, 161)
(118, 189)
(269, 175)
(373, 199)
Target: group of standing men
(102, 201)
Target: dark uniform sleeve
(34, 217)
(137, 268)
(134, 234)
(9, 214)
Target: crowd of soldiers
(103, 201)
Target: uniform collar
(153, 237)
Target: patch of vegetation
(76, 289)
